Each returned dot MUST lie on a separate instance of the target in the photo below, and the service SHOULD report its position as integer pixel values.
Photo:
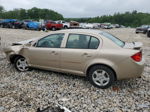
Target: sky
(81, 8)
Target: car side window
(78, 41)
(51, 41)
(94, 43)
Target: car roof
(82, 31)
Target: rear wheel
(2, 26)
(21, 64)
(101, 76)
(65, 27)
(148, 34)
(13, 27)
(144, 32)
(53, 29)
(136, 32)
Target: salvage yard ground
(25, 92)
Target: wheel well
(103, 65)
(66, 26)
(13, 57)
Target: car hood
(24, 42)
(17, 46)
(133, 45)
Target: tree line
(132, 19)
(33, 13)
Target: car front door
(79, 50)
(46, 52)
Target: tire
(65, 27)
(39, 29)
(9, 26)
(13, 27)
(27, 27)
(101, 76)
(1, 26)
(148, 34)
(21, 64)
(144, 32)
(53, 29)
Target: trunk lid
(133, 45)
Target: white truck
(90, 25)
(67, 25)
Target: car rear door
(78, 52)
(46, 53)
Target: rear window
(113, 38)
(144, 26)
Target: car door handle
(54, 52)
(86, 54)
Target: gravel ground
(26, 92)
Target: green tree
(33, 13)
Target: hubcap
(100, 77)
(22, 64)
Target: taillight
(137, 57)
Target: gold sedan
(98, 55)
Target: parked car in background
(66, 25)
(25, 22)
(69, 25)
(90, 25)
(106, 26)
(7, 23)
(18, 24)
(148, 32)
(142, 29)
(98, 55)
(52, 25)
(74, 24)
(117, 26)
(33, 25)
(1, 22)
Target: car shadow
(122, 84)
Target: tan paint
(77, 61)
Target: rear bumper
(130, 69)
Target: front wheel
(101, 76)
(21, 64)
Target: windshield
(113, 38)
(144, 26)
